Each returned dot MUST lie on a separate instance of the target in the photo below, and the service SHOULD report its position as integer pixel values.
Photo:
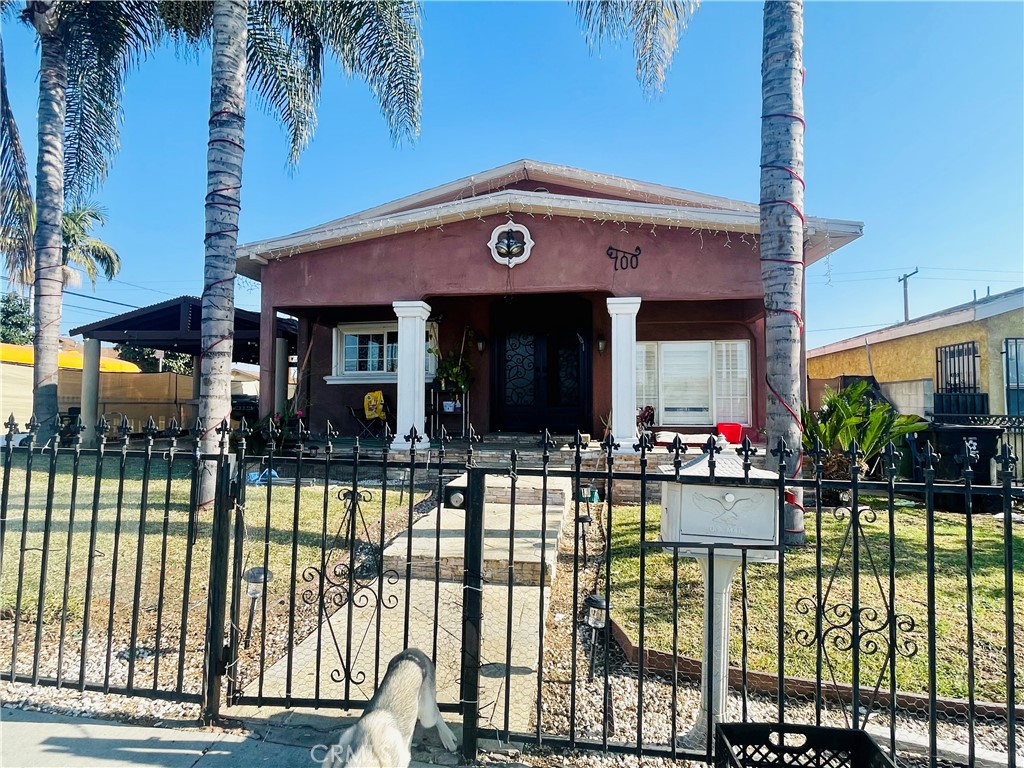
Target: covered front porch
(563, 362)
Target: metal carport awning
(175, 326)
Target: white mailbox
(712, 513)
(720, 513)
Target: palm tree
(279, 47)
(654, 28)
(80, 249)
(782, 233)
(85, 50)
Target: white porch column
(412, 360)
(280, 375)
(623, 312)
(90, 403)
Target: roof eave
(546, 173)
(825, 235)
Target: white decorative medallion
(510, 244)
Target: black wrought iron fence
(104, 564)
(566, 592)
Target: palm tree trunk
(49, 273)
(782, 230)
(223, 194)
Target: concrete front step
(437, 540)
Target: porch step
(533, 541)
(499, 491)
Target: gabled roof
(175, 325)
(979, 309)
(616, 199)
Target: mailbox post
(715, 513)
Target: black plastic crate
(757, 745)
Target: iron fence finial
(609, 444)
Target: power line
(847, 328)
(97, 298)
(98, 311)
(144, 287)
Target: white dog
(383, 735)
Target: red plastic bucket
(733, 432)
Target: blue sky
(915, 117)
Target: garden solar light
(255, 579)
(597, 611)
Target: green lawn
(910, 599)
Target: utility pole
(906, 297)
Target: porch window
(365, 352)
(694, 383)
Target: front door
(541, 357)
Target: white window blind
(685, 374)
(732, 382)
(368, 352)
(647, 375)
(694, 383)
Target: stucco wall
(693, 285)
(899, 359)
(569, 255)
(913, 357)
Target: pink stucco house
(573, 295)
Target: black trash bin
(948, 441)
(765, 745)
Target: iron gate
(319, 607)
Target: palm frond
(95, 256)
(653, 25)
(187, 23)
(104, 42)
(81, 249)
(16, 214)
(380, 43)
(281, 78)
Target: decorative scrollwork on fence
(350, 575)
(866, 630)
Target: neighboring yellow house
(965, 359)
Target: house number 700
(624, 259)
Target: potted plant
(454, 371)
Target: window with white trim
(368, 352)
(694, 383)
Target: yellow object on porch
(373, 405)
